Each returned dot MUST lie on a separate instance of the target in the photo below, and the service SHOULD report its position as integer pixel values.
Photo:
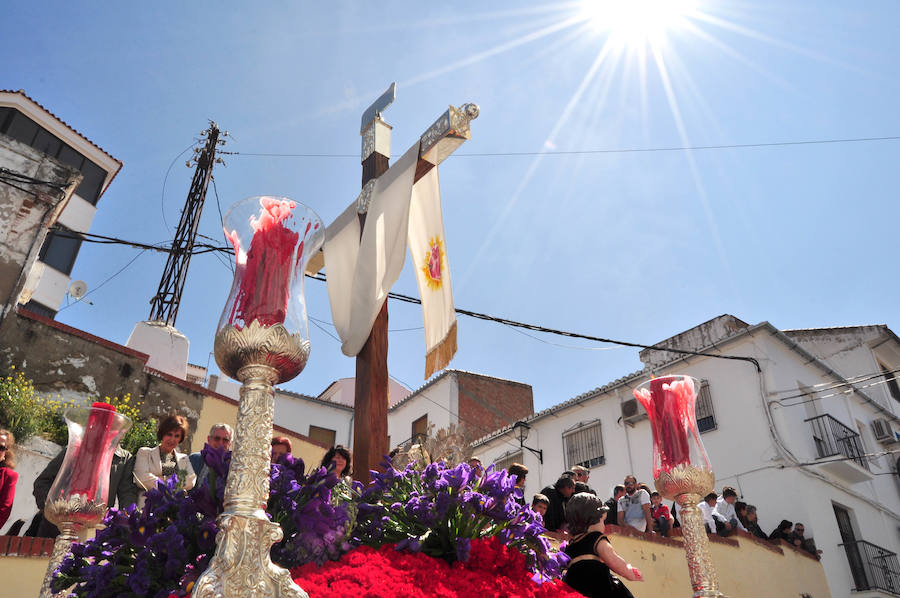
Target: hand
(635, 574)
(728, 526)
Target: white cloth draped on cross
(361, 271)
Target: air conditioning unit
(632, 412)
(883, 431)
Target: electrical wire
(203, 248)
(112, 276)
(162, 195)
(230, 264)
(835, 394)
(599, 151)
(834, 385)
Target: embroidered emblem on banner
(433, 265)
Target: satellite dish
(77, 289)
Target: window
(890, 377)
(420, 429)
(706, 417)
(21, 128)
(508, 459)
(60, 250)
(322, 435)
(46, 142)
(90, 187)
(584, 446)
(70, 157)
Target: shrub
(21, 411)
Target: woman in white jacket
(158, 463)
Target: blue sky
(633, 246)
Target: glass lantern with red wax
(273, 238)
(670, 402)
(80, 491)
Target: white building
(804, 438)
(452, 398)
(26, 121)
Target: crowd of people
(572, 512)
(633, 504)
(570, 509)
(130, 476)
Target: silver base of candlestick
(258, 356)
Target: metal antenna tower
(164, 304)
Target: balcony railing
(873, 567)
(833, 438)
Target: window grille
(584, 446)
(508, 459)
(706, 417)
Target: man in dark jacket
(121, 486)
(558, 494)
(612, 515)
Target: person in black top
(558, 494)
(613, 505)
(593, 557)
(782, 532)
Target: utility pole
(164, 304)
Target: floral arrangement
(492, 569)
(314, 511)
(440, 510)
(414, 530)
(162, 549)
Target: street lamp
(522, 429)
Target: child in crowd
(662, 520)
(540, 504)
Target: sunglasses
(2, 447)
(221, 438)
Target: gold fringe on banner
(440, 356)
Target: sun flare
(637, 22)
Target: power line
(599, 151)
(467, 312)
(835, 394)
(99, 286)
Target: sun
(632, 23)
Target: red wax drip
(670, 407)
(92, 459)
(265, 281)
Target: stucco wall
(746, 569)
(26, 217)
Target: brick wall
(486, 403)
(20, 546)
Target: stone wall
(65, 361)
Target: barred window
(706, 417)
(508, 459)
(584, 446)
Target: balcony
(873, 567)
(840, 449)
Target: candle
(92, 460)
(669, 402)
(266, 269)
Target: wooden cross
(448, 132)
